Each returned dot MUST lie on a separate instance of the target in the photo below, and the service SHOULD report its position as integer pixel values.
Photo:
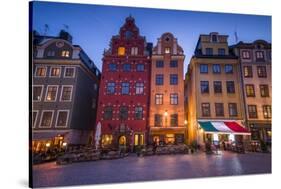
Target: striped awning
(223, 127)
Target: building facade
(166, 115)
(255, 64)
(65, 85)
(124, 92)
(213, 91)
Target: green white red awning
(223, 127)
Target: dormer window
(121, 51)
(65, 54)
(214, 38)
(167, 50)
(51, 53)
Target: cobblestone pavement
(164, 167)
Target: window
(174, 120)
(228, 68)
(230, 87)
(264, 90)
(55, 72)
(139, 88)
(62, 118)
(246, 54)
(106, 140)
(259, 55)
(214, 38)
(266, 111)
(51, 94)
(40, 71)
(134, 51)
(203, 68)
(128, 34)
(125, 88)
(159, 99)
(174, 63)
(232, 108)
(37, 93)
(126, 67)
(46, 118)
(221, 51)
(66, 93)
(209, 51)
(158, 120)
(34, 117)
(108, 113)
(140, 67)
(174, 99)
(51, 53)
(159, 79)
(173, 79)
(261, 71)
(252, 111)
(112, 67)
(123, 113)
(204, 86)
(216, 68)
(167, 50)
(65, 54)
(110, 89)
(159, 64)
(217, 87)
(206, 109)
(138, 113)
(248, 72)
(250, 90)
(69, 72)
(219, 109)
(121, 51)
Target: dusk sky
(92, 26)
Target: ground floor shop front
(165, 136)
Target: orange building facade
(166, 115)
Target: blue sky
(92, 26)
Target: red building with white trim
(124, 89)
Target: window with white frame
(69, 72)
(46, 118)
(62, 118)
(66, 93)
(51, 53)
(34, 117)
(139, 88)
(51, 93)
(55, 72)
(40, 71)
(134, 51)
(37, 92)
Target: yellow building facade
(166, 116)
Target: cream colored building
(166, 116)
(213, 88)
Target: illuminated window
(248, 72)
(246, 54)
(167, 50)
(121, 51)
(55, 72)
(264, 90)
(266, 111)
(250, 90)
(134, 51)
(66, 93)
(206, 112)
(40, 71)
(159, 99)
(174, 99)
(261, 71)
(139, 88)
(51, 93)
(106, 140)
(37, 93)
(62, 118)
(65, 54)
